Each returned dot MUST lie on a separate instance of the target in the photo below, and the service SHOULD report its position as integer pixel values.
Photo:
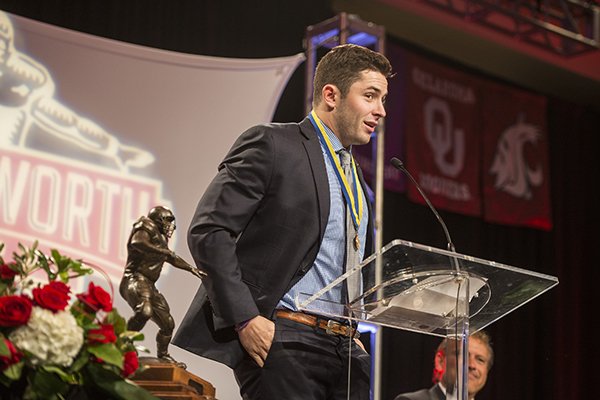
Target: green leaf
(64, 276)
(42, 262)
(66, 265)
(4, 351)
(62, 374)
(83, 314)
(82, 358)
(114, 386)
(5, 381)
(14, 371)
(109, 353)
(133, 336)
(118, 322)
(45, 385)
(60, 261)
(3, 287)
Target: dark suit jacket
(434, 393)
(256, 232)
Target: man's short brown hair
(342, 66)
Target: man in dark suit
(481, 358)
(272, 225)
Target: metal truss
(341, 29)
(566, 27)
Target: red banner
(443, 137)
(516, 177)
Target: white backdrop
(94, 132)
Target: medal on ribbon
(352, 193)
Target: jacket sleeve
(225, 209)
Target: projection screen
(94, 132)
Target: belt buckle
(335, 328)
(332, 326)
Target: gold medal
(356, 242)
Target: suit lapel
(319, 172)
(436, 393)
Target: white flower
(50, 338)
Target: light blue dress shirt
(330, 260)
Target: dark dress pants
(306, 363)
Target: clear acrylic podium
(427, 290)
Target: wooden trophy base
(169, 381)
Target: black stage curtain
(220, 28)
(545, 349)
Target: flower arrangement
(56, 345)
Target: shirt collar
(451, 396)
(335, 142)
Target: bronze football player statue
(147, 250)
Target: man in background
(481, 358)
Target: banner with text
(443, 136)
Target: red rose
(60, 286)
(53, 296)
(130, 363)
(6, 272)
(14, 310)
(96, 298)
(13, 358)
(104, 334)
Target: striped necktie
(352, 255)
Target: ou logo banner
(446, 142)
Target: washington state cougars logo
(513, 173)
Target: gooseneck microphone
(400, 166)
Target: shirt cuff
(241, 325)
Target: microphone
(399, 165)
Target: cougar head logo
(513, 175)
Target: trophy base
(166, 380)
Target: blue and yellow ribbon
(354, 194)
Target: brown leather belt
(331, 327)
